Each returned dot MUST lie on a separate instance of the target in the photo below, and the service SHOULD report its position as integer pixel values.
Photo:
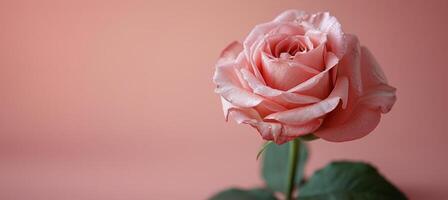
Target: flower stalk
(292, 167)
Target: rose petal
(242, 114)
(361, 122)
(227, 81)
(279, 96)
(308, 113)
(291, 132)
(287, 44)
(376, 75)
(287, 28)
(230, 88)
(330, 25)
(252, 46)
(381, 98)
(318, 85)
(316, 37)
(254, 43)
(289, 16)
(268, 130)
(231, 52)
(230, 85)
(270, 42)
(284, 74)
(341, 90)
(313, 58)
(303, 115)
(281, 134)
(369, 95)
(257, 34)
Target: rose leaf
(343, 180)
(240, 194)
(275, 165)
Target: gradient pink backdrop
(114, 100)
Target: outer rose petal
(281, 133)
(289, 16)
(267, 130)
(228, 86)
(240, 115)
(231, 52)
(369, 96)
(291, 132)
(378, 94)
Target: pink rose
(300, 74)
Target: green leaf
(309, 137)
(275, 165)
(240, 194)
(344, 180)
(263, 148)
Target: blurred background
(114, 99)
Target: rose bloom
(300, 74)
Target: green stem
(292, 167)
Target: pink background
(113, 100)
